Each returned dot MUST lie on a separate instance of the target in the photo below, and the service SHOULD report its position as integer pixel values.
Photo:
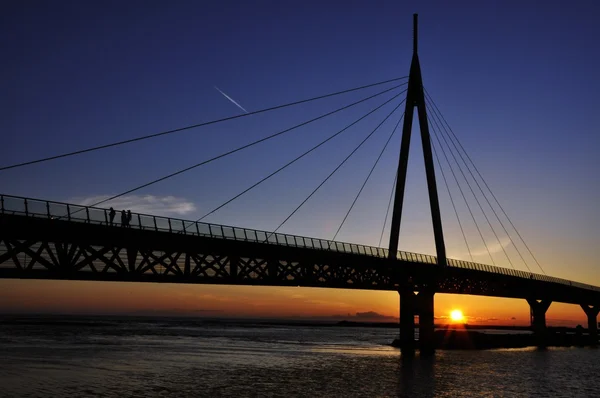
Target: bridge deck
(53, 240)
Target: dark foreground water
(103, 357)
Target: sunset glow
(457, 316)
(555, 232)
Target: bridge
(41, 239)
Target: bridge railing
(517, 273)
(93, 215)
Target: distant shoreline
(76, 318)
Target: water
(108, 357)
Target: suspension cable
(177, 130)
(299, 157)
(433, 129)
(436, 109)
(242, 147)
(388, 209)
(368, 176)
(473, 192)
(333, 172)
(477, 199)
(450, 194)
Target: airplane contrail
(231, 99)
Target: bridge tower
(416, 304)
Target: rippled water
(116, 358)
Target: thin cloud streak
(480, 253)
(231, 99)
(493, 248)
(146, 204)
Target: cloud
(231, 99)
(481, 251)
(366, 316)
(493, 248)
(146, 204)
(173, 311)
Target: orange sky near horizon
(75, 297)
(539, 153)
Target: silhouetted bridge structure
(51, 240)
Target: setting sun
(457, 316)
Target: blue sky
(517, 81)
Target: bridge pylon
(421, 304)
(415, 98)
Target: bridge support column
(592, 315)
(426, 322)
(538, 310)
(416, 304)
(407, 321)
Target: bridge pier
(538, 310)
(407, 321)
(416, 304)
(426, 322)
(592, 314)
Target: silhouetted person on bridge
(123, 218)
(111, 215)
(128, 218)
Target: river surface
(129, 357)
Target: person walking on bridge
(123, 218)
(111, 215)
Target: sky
(517, 82)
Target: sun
(457, 316)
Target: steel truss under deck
(58, 249)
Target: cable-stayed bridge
(52, 240)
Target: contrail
(231, 99)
